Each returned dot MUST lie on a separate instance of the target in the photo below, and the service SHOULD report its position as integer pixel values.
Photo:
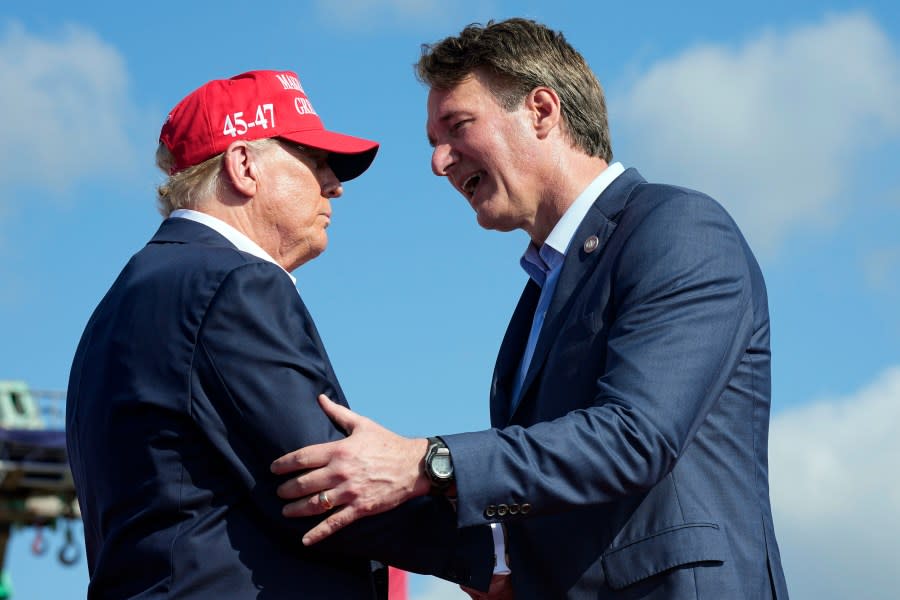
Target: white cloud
(768, 128)
(65, 108)
(836, 493)
(882, 269)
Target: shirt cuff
(500, 566)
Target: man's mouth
(471, 182)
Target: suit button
(513, 509)
(490, 511)
(526, 508)
(502, 509)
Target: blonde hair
(190, 187)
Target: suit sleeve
(681, 317)
(258, 367)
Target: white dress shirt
(240, 241)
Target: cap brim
(348, 157)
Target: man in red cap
(201, 365)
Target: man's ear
(239, 165)
(545, 108)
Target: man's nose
(442, 157)
(331, 185)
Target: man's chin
(493, 223)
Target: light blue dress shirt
(544, 264)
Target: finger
(310, 506)
(305, 507)
(343, 416)
(307, 484)
(501, 587)
(314, 505)
(473, 594)
(308, 457)
(339, 519)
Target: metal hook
(38, 546)
(69, 553)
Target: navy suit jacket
(638, 451)
(200, 366)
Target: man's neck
(239, 217)
(569, 179)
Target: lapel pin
(591, 244)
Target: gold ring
(325, 501)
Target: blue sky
(786, 112)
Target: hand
(500, 589)
(368, 472)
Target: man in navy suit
(631, 395)
(201, 365)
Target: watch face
(441, 465)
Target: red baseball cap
(253, 106)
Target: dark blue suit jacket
(199, 368)
(639, 447)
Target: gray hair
(192, 186)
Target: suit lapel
(581, 259)
(511, 354)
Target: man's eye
(459, 124)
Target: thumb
(343, 416)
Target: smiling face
(490, 155)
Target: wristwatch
(438, 464)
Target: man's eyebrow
(442, 119)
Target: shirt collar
(538, 262)
(238, 239)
